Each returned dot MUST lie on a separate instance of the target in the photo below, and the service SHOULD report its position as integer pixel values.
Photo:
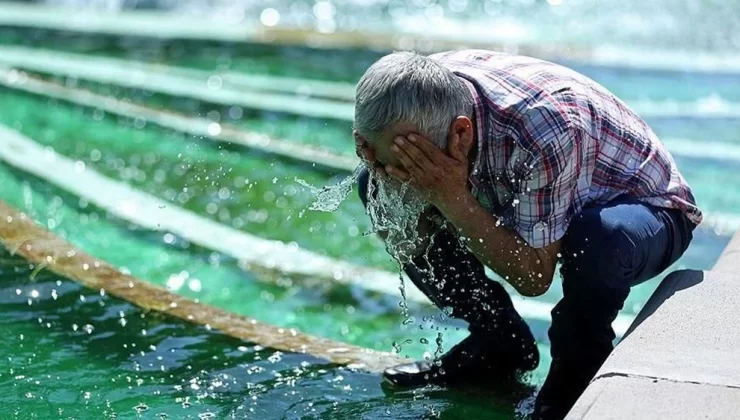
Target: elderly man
(521, 164)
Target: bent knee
(595, 249)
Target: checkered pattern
(552, 141)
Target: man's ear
(461, 137)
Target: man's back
(556, 141)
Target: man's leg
(606, 250)
(452, 277)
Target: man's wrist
(459, 206)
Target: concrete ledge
(630, 397)
(686, 332)
(730, 259)
(681, 357)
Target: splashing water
(395, 211)
(440, 350)
(398, 347)
(403, 303)
(330, 197)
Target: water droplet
(275, 357)
(141, 407)
(168, 238)
(224, 193)
(270, 17)
(195, 285)
(214, 129)
(214, 82)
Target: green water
(347, 65)
(255, 193)
(54, 363)
(71, 353)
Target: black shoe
(475, 360)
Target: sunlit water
(90, 355)
(659, 24)
(89, 363)
(72, 353)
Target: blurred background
(220, 108)
(703, 25)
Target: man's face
(382, 145)
(394, 209)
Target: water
(155, 366)
(330, 197)
(394, 211)
(94, 371)
(119, 357)
(662, 24)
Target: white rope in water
(303, 87)
(23, 236)
(243, 90)
(252, 252)
(179, 26)
(341, 91)
(192, 125)
(119, 73)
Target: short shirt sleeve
(548, 161)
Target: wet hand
(442, 178)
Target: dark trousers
(606, 250)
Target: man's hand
(442, 178)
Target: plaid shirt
(551, 141)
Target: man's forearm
(529, 270)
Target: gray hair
(408, 87)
